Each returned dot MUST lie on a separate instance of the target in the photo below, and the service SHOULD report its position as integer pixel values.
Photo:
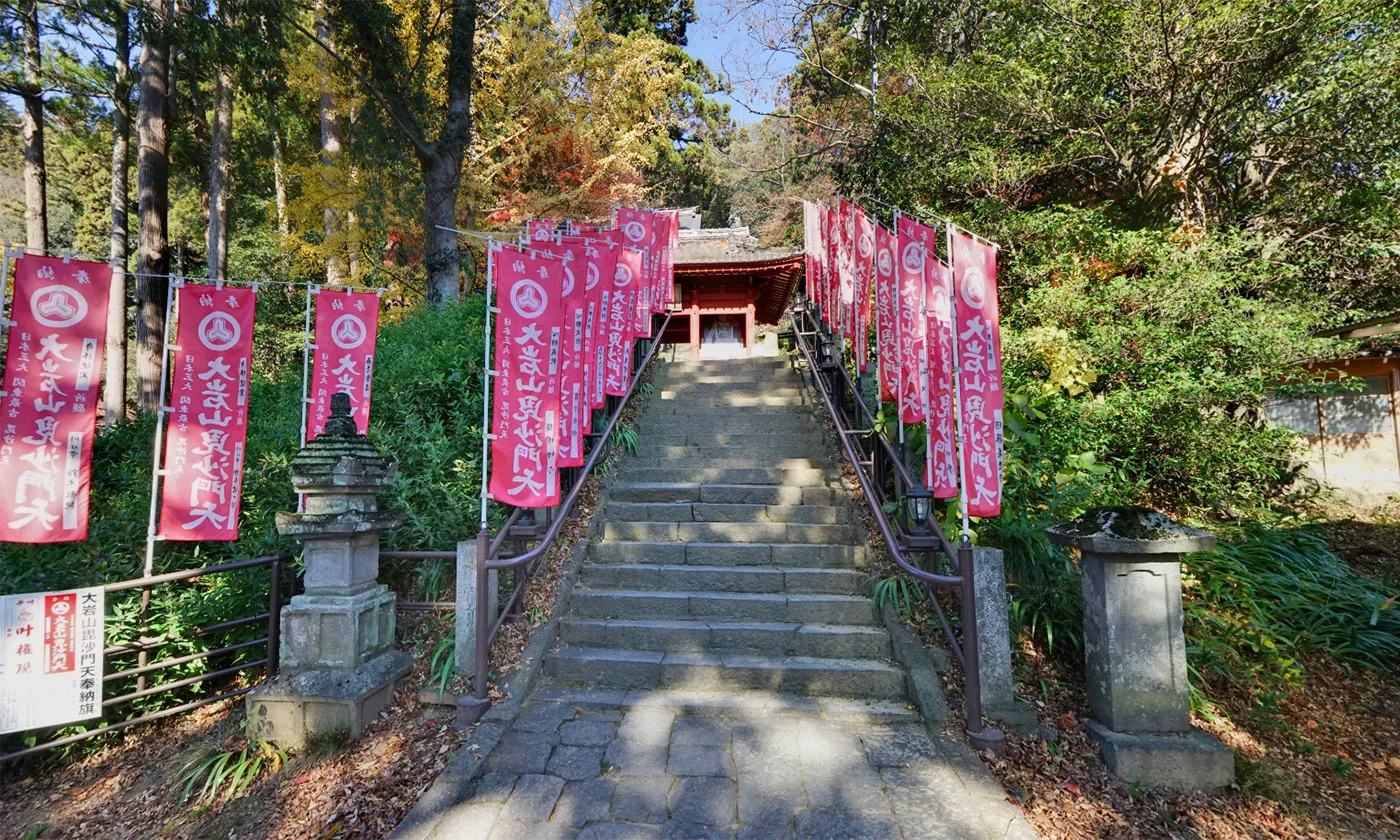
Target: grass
(225, 774)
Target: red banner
(845, 268)
(636, 227)
(539, 230)
(915, 243)
(571, 355)
(209, 422)
(829, 293)
(886, 352)
(347, 325)
(602, 267)
(936, 392)
(668, 266)
(60, 632)
(978, 332)
(811, 245)
(864, 269)
(529, 333)
(52, 370)
(622, 309)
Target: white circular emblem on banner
(622, 276)
(568, 279)
(974, 288)
(914, 258)
(542, 235)
(528, 298)
(219, 331)
(57, 306)
(348, 332)
(884, 262)
(59, 608)
(590, 277)
(866, 244)
(634, 231)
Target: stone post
(338, 665)
(1135, 648)
(993, 629)
(465, 644)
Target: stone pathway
(599, 764)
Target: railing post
(274, 617)
(474, 628)
(982, 737)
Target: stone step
(730, 421)
(681, 392)
(841, 641)
(728, 411)
(774, 451)
(768, 363)
(732, 532)
(760, 397)
(720, 606)
(703, 512)
(637, 490)
(793, 674)
(809, 477)
(856, 710)
(692, 577)
(819, 439)
(792, 555)
(648, 459)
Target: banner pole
(957, 383)
(486, 386)
(161, 411)
(5, 322)
(305, 380)
(896, 263)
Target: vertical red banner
(525, 425)
(636, 227)
(940, 469)
(811, 242)
(621, 321)
(602, 267)
(539, 230)
(978, 336)
(845, 267)
(571, 352)
(347, 325)
(915, 246)
(864, 268)
(673, 241)
(208, 425)
(60, 632)
(886, 346)
(49, 411)
(828, 267)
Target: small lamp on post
(918, 504)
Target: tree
(114, 375)
(332, 146)
(36, 217)
(667, 19)
(220, 151)
(153, 186)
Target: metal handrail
(487, 549)
(966, 653)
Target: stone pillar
(338, 665)
(1135, 648)
(993, 629)
(465, 638)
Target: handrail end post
(981, 736)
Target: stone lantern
(1135, 648)
(338, 667)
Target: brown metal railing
(523, 565)
(145, 645)
(884, 479)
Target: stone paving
(600, 764)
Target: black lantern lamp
(918, 504)
(830, 351)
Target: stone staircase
(730, 557)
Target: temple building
(727, 284)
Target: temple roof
(733, 252)
(727, 246)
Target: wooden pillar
(694, 332)
(749, 330)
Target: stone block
(466, 595)
(993, 629)
(337, 631)
(338, 565)
(1185, 761)
(297, 706)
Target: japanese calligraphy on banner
(940, 469)
(915, 245)
(668, 265)
(636, 227)
(346, 328)
(978, 335)
(811, 247)
(51, 659)
(621, 323)
(602, 267)
(209, 420)
(571, 350)
(845, 267)
(885, 314)
(864, 269)
(49, 411)
(525, 426)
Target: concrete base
(1185, 761)
(337, 631)
(295, 707)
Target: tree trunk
(279, 174)
(36, 216)
(153, 186)
(114, 377)
(441, 175)
(332, 146)
(220, 170)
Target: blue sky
(726, 43)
